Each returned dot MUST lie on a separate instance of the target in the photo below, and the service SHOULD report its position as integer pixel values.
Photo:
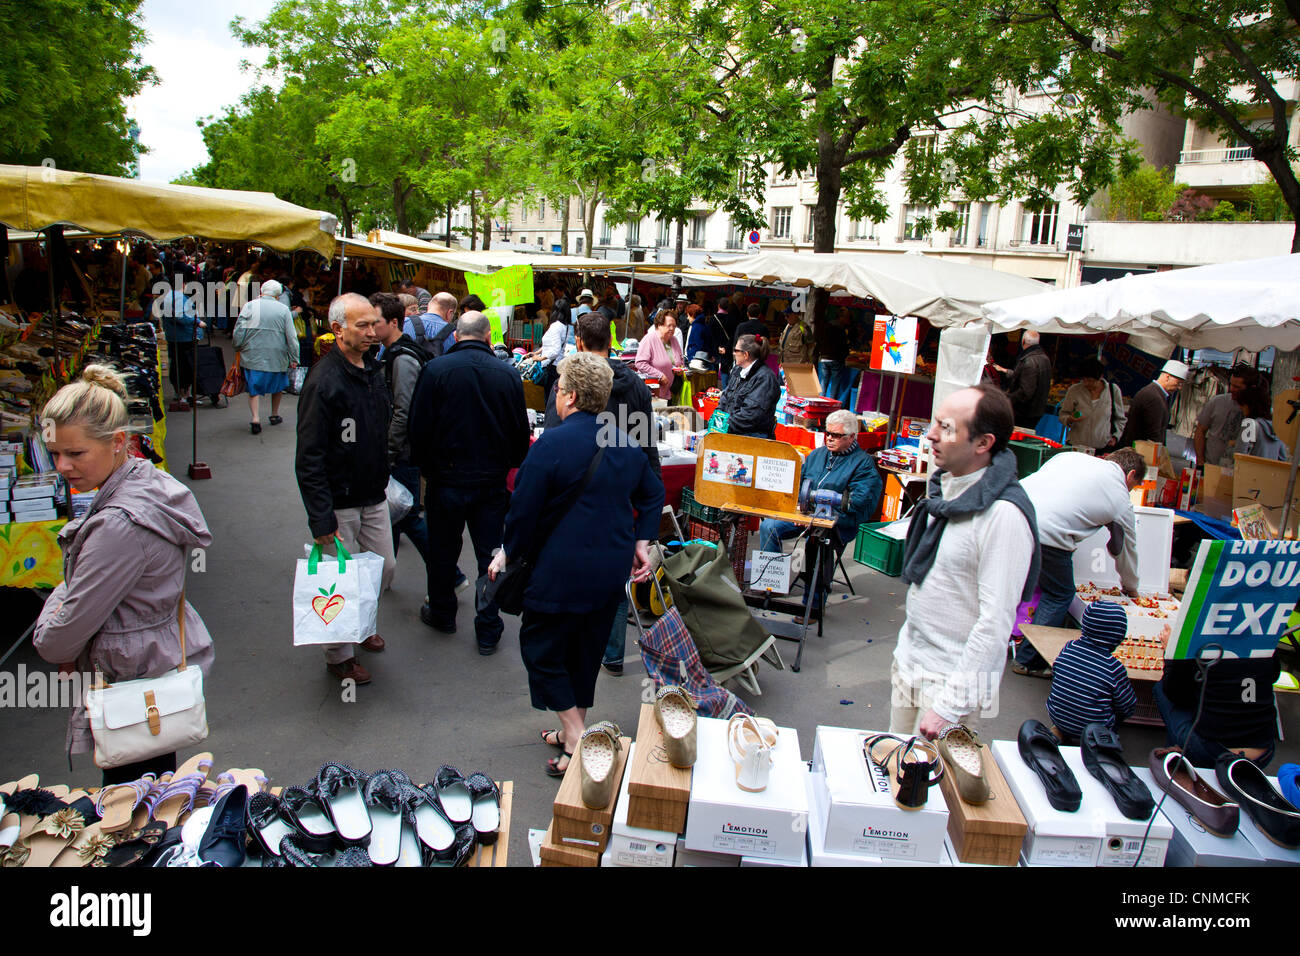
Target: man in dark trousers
(469, 428)
(1148, 416)
(342, 459)
(1030, 381)
(726, 321)
(629, 410)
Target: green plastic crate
(878, 551)
(693, 509)
(1030, 456)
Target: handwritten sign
(775, 474)
(512, 285)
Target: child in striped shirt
(1088, 684)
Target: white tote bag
(370, 569)
(327, 598)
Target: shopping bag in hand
(234, 383)
(327, 598)
(370, 571)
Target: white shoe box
(1096, 834)
(817, 853)
(634, 846)
(1192, 844)
(859, 811)
(685, 857)
(1272, 854)
(725, 819)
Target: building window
(1039, 228)
(863, 229)
(915, 221)
(699, 225)
(579, 249)
(781, 222)
(634, 233)
(540, 242)
(982, 237)
(523, 240)
(808, 227)
(962, 230)
(604, 231)
(664, 225)
(541, 210)
(737, 238)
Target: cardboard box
(763, 861)
(819, 856)
(575, 823)
(686, 857)
(1261, 481)
(558, 854)
(1191, 844)
(724, 818)
(1123, 838)
(990, 834)
(1155, 540)
(31, 504)
(1155, 454)
(802, 380)
(635, 846)
(658, 792)
(1054, 838)
(1217, 485)
(1270, 852)
(27, 516)
(858, 805)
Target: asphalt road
(434, 700)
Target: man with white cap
(1148, 416)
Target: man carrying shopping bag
(342, 461)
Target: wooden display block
(658, 792)
(575, 823)
(991, 833)
(495, 854)
(559, 854)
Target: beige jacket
(124, 565)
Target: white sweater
(953, 643)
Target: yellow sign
(512, 285)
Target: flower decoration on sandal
(94, 850)
(65, 824)
(15, 856)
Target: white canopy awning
(942, 291)
(1253, 304)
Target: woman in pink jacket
(659, 352)
(124, 561)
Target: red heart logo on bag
(327, 604)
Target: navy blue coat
(585, 562)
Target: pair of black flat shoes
(1103, 756)
(385, 815)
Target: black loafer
(1104, 758)
(1040, 753)
(453, 795)
(223, 841)
(460, 851)
(340, 789)
(436, 833)
(385, 797)
(294, 855)
(426, 618)
(486, 818)
(1245, 783)
(309, 817)
(268, 823)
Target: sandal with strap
(598, 756)
(553, 768)
(178, 798)
(917, 766)
(117, 803)
(751, 742)
(557, 742)
(130, 852)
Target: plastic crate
(878, 551)
(1030, 456)
(693, 509)
(736, 543)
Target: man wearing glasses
(841, 465)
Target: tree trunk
(589, 221)
(677, 256)
(829, 186)
(473, 221)
(564, 228)
(487, 225)
(448, 223)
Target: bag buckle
(151, 712)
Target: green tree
(1226, 65)
(67, 71)
(1144, 194)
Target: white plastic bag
(327, 598)
(400, 500)
(371, 570)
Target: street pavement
(434, 700)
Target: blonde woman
(123, 561)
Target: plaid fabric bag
(670, 657)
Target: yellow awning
(36, 198)
(398, 240)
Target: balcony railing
(1232, 154)
(695, 242)
(735, 244)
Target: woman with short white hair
(267, 345)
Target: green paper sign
(512, 285)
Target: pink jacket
(653, 358)
(124, 565)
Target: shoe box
(685, 857)
(819, 856)
(659, 794)
(578, 825)
(990, 834)
(858, 811)
(554, 853)
(725, 819)
(1270, 852)
(636, 846)
(1096, 834)
(1192, 844)
(764, 861)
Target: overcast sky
(197, 61)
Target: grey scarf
(999, 483)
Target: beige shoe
(675, 714)
(598, 756)
(964, 754)
(751, 742)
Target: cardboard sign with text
(1239, 596)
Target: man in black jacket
(1148, 415)
(1030, 381)
(630, 410)
(752, 392)
(342, 459)
(469, 427)
(726, 321)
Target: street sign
(752, 239)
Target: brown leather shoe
(1175, 774)
(373, 643)
(350, 670)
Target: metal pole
(54, 303)
(342, 261)
(627, 306)
(121, 302)
(1290, 490)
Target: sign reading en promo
(1239, 596)
(512, 285)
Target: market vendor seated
(1239, 713)
(838, 466)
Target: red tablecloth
(677, 477)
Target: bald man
(1030, 381)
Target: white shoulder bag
(136, 720)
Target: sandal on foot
(552, 738)
(553, 768)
